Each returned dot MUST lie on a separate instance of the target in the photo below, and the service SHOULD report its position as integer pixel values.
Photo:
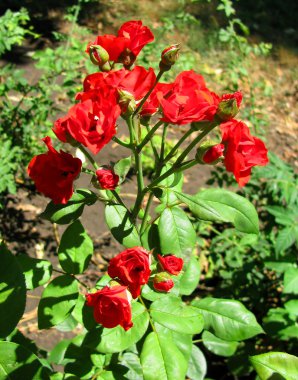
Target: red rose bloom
(91, 123)
(242, 151)
(107, 179)
(214, 153)
(54, 173)
(171, 264)
(111, 306)
(132, 268)
(137, 34)
(125, 47)
(189, 101)
(162, 282)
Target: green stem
(144, 221)
(88, 156)
(148, 93)
(120, 142)
(196, 141)
(149, 135)
(197, 341)
(88, 171)
(150, 320)
(153, 146)
(174, 149)
(163, 141)
(117, 196)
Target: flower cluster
(169, 265)
(130, 270)
(122, 91)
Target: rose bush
(142, 319)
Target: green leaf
(132, 361)
(275, 365)
(75, 249)
(57, 301)
(218, 346)
(172, 313)
(291, 281)
(121, 227)
(225, 206)
(161, 359)
(12, 292)
(285, 239)
(228, 319)
(57, 354)
(17, 362)
(121, 168)
(65, 214)
(37, 272)
(176, 232)
(197, 366)
(117, 339)
(191, 276)
(292, 307)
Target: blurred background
(249, 45)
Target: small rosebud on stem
(210, 153)
(169, 56)
(99, 57)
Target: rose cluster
(130, 270)
(115, 91)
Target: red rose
(136, 83)
(236, 95)
(137, 34)
(107, 179)
(170, 263)
(214, 153)
(54, 173)
(91, 123)
(189, 101)
(242, 151)
(124, 48)
(111, 306)
(163, 282)
(112, 44)
(132, 268)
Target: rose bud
(170, 55)
(111, 306)
(127, 102)
(54, 173)
(132, 268)
(98, 55)
(210, 153)
(163, 282)
(107, 179)
(171, 264)
(229, 106)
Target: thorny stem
(148, 93)
(163, 141)
(118, 198)
(153, 146)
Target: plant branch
(149, 135)
(88, 156)
(122, 143)
(71, 275)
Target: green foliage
(275, 364)
(75, 249)
(37, 272)
(13, 29)
(12, 292)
